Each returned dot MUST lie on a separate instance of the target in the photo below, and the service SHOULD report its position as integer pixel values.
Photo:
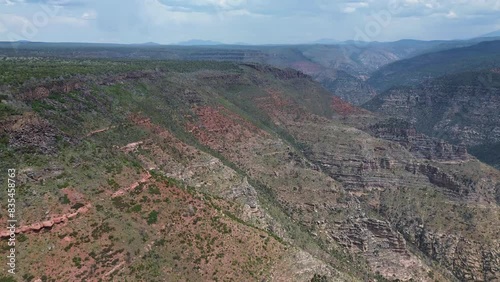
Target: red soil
(218, 126)
(342, 107)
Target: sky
(245, 21)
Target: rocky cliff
(214, 171)
(461, 109)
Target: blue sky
(250, 21)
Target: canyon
(204, 170)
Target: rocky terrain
(206, 171)
(461, 109)
(351, 89)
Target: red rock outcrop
(145, 177)
(35, 227)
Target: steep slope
(384, 181)
(462, 109)
(351, 89)
(192, 171)
(416, 70)
(156, 207)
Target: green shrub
(136, 208)
(78, 262)
(154, 190)
(77, 206)
(6, 110)
(64, 200)
(152, 217)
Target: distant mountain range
(492, 34)
(150, 44)
(198, 42)
(326, 41)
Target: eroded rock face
(305, 267)
(461, 109)
(380, 175)
(470, 260)
(383, 246)
(420, 145)
(33, 133)
(246, 192)
(437, 177)
(351, 89)
(440, 111)
(41, 92)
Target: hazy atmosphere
(244, 21)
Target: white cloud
(253, 21)
(71, 21)
(222, 4)
(89, 15)
(7, 2)
(160, 14)
(13, 23)
(40, 2)
(23, 28)
(354, 6)
(349, 10)
(241, 12)
(452, 15)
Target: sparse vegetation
(203, 222)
